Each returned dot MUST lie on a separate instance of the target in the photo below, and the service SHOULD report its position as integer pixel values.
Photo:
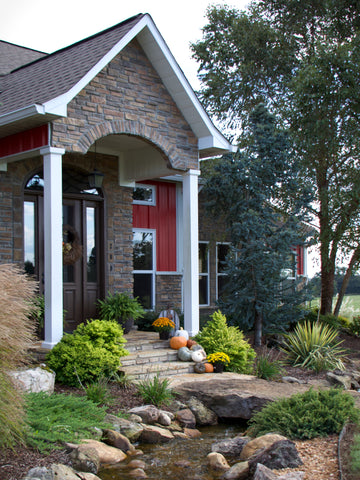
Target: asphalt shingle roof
(55, 74)
(14, 56)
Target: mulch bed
(15, 464)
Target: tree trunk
(327, 291)
(346, 279)
(257, 329)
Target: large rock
(148, 413)
(186, 418)
(153, 434)
(239, 471)
(233, 396)
(203, 415)
(117, 440)
(58, 471)
(282, 454)
(264, 473)
(231, 447)
(217, 462)
(85, 459)
(260, 443)
(107, 454)
(131, 430)
(35, 380)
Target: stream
(179, 459)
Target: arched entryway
(83, 244)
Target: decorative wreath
(72, 250)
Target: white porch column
(52, 160)
(191, 251)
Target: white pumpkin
(198, 356)
(182, 333)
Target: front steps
(150, 356)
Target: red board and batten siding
(162, 218)
(300, 260)
(22, 142)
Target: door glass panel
(143, 285)
(68, 219)
(29, 237)
(143, 250)
(90, 245)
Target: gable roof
(54, 80)
(13, 56)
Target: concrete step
(156, 355)
(133, 346)
(150, 370)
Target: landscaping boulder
(35, 380)
(260, 443)
(203, 415)
(107, 455)
(282, 454)
(153, 434)
(131, 430)
(231, 447)
(239, 471)
(85, 459)
(148, 413)
(186, 418)
(264, 473)
(59, 471)
(117, 440)
(217, 462)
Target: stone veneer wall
(168, 291)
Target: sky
(40, 25)
(48, 26)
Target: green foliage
(58, 418)
(37, 312)
(98, 391)
(91, 351)
(217, 336)
(301, 60)
(268, 367)
(355, 454)
(156, 390)
(144, 322)
(306, 415)
(243, 192)
(354, 326)
(338, 323)
(120, 306)
(314, 346)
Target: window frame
(151, 272)
(146, 186)
(205, 274)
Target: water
(181, 459)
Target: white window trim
(217, 263)
(153, 271)
(207, 274)
(144, 202)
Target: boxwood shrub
(93, 350)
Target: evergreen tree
(244, 191)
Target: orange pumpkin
(177, 342)
(190, 343)
(209, 368)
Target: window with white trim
(204, 273)
(222, 250)
(144, 194)
(144, 266)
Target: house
(115, 108)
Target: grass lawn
(350, 306)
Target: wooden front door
(83, 270)
(82, 274)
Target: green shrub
(156, 391)
(217, 336)
(354, 327)
(144, 322)
(267, 366)
(338, 323)
(58, 418)
(93, 350)
(306, 415)
(314, 346)
(98, 391)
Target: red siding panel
(23, 141)
(300, 260)
(162, 218)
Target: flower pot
(164, 335)
(218, 367)
(127, 324)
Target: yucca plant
(314, 346)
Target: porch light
(95, 178)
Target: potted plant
(163, 325)
(120, 307)
(219, 360)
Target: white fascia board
(62, 100)
(215, 142)
(21, 114)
